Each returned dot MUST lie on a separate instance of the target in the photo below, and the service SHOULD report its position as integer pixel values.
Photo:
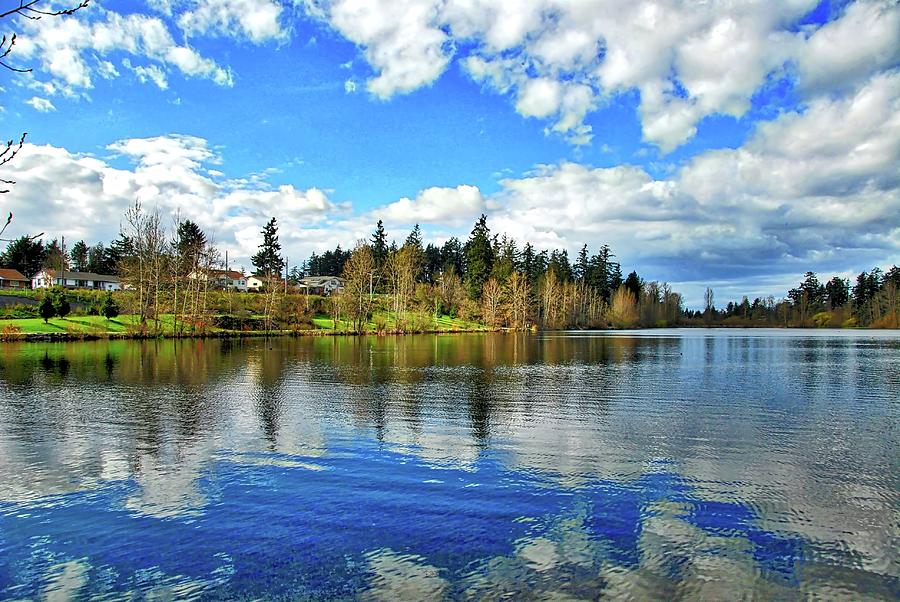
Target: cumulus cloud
(817, 189)
(84, 197)
(40, 104)
(401, 39)
(256, 20)
(69, 47)
(436, 206)
(559, 60)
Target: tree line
(871, 300)
(488, 278)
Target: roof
(11, 274)
(72, 275)
(320, 280)
(233, 274)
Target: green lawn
(129, 323)
(83, 324)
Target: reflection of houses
(321, 285)
(10, 278)
(223, 279)
(99, 282)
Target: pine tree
(109, 309)
(191, 239)
(61, 303)
(634, 283)
(267, 261)
(46, 308)
(25, 255)
(581, 267)
(479, 255)
(379, 245)
(79, 256)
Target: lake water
(659, 464)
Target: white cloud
(257, 20)
(82, 197)
(435, 206)
(560, 59)
(817, 189)
(865, 40)
(349, 86)
(400, 39)
(150, 73)
(64, 44)
(40, 104)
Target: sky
(726, 144)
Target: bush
(19, 311)
(821, 319)
(61, 303)
(109, 309)
(47, 309)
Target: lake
(667, 464)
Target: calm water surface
(663, 464)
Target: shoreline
(67, 337)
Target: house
(10, 278)
(223, 279)
(255, 283)
(321, 285)
(98, 282)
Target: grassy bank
(128, 326)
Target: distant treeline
(872, 300)
(488, 278)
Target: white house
(223, 279)
(98, 282)
(254, 283)
(322, 285)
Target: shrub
(47, 309)
(109, 309)
(821, 319)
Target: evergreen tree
(267, 261)
(634, 284)
(479, 255)
(379, 246)
(96, 259)
(837, 292)
(109, 309)
(432, 266)
(190, 239)
(25, 255)
(61, 303)
(117, 252)
(452, 255)
(46, 308)
(79, 256)
(529, 263)
(414, 239)
(54, 258)
(582, 265)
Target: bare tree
(491, 300)
(360, 275)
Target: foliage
(46, 308)
(109, 309)
(479, 257)
(25, 255)
(61, 304)
(268, 261)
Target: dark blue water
(664, 464)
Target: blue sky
(722, 145)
